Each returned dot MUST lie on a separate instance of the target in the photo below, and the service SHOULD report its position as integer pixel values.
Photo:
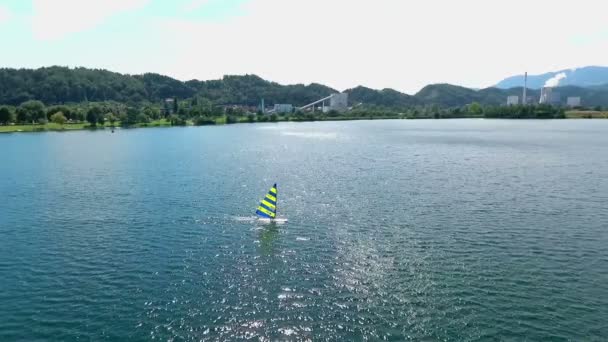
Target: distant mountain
(60, 85)
(446, 95)
(581, 77)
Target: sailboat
(267, 210)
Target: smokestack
(524, 100)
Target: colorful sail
(268, 206)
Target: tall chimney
(524, 100)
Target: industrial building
(574, 101)
(549, 96)
(337, 102)
(283, 108)
(512, 100)
(529, 99)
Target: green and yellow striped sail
(268, 206)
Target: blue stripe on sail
(261, 214)
(264, 210)
(267, 207)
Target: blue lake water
(451, 230)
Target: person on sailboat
(267, 210)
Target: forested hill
(59, 85)
(56, 85)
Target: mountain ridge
(59, 85)
(588, 76)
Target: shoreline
(52, 127)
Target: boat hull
(277, 220)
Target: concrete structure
(574, 101)
(512, 100)
(545, 93)
(338, 102)
(524, 98)
(548, 96)
(283, 108)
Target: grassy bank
(224, 120)
(53, 127)
(42, 128)
(587, 114)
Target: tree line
(200, 111)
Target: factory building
(512, 100)
(549, 96)
(338, 102)
(283, 108)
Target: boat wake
(254, 219)
(244, 218)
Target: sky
(400, 44)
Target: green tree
(143, 118)
(66, 111)
(152, 112)
(5, 115)
(175, 105)
(131, 117)
(31, 111)
(78, 115)
(251, 118)
(176, 120)
(101, 119)
(111, 118)
(475, 109)
(59, 118)
(93, 115)
(274, 117)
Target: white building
(548, 96)
(512, 100)
(574, 101)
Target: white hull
(277, 220)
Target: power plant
(334, 102)
(337, 102)
(549, 96)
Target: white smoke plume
(554, 81)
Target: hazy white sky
(401, 44)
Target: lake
(451, 230)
